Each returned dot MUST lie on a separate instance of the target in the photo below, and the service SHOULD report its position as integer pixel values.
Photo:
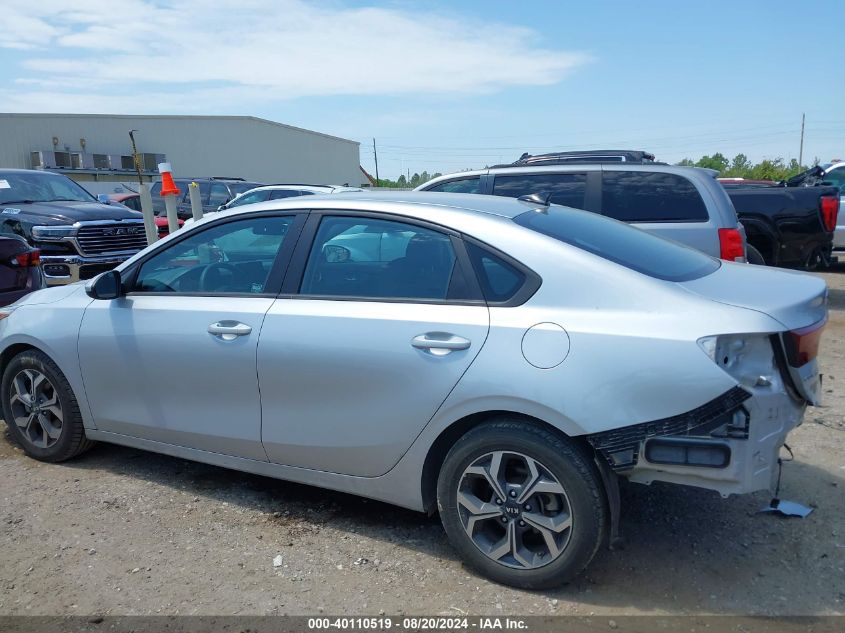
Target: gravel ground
(121, 531)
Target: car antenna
(540, 197)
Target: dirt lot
(121, 531)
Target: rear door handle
(439, 343)
(229, 330)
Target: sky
(448, 86)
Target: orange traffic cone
(168, 187)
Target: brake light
(802, 345)
(730, 245)
(830, 210)
(25, 260)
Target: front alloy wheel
(40, 408)
(36, 409)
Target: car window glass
(460, 185)
(250, 198)
(566, 189)
(639, 196)
(235, 257)
(284, 193)
(620, 243)
(219, 195)
(837, 179)
(499, 280)
(371, 258)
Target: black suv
(215, 191)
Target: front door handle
(439, 343)
(229, 330)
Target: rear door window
(567, 189)
(378, 259)
(459, 185)
(639, 196)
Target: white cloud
(239, 52)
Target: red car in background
(133, 201)
(20, 269)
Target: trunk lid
(793, 298)
(796, 300)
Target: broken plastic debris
(277, 562)
(787, 508)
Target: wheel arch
(447, 437)
(10, 351)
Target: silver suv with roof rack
(686, 204)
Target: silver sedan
(500, 361)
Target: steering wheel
(207, 275)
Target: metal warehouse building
(97, 147)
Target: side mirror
(105, 286)
(103, 198)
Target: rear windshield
(620, 243)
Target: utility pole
(136, 159)
(801, 151)
(375, 153)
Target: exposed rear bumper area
(735, 452)
(66, 269)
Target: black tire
(755, 256)
(71, 440)
(566, 461)
(815, 260)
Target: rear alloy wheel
(40, 408)
(521, 504)
(514, 510)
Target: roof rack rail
(586, 156)
(227, 178)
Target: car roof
(411, 203)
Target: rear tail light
(25, 260)
(802, 345)
(730, 245)
(830, 210)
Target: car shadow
(687, 550)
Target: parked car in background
(133, 201)
(20, 270)
(834, 174)
(214, 192)
(277, 192)
(78, 237)
(682, 203)
(789, 223)
(500, 361)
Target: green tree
(717, 161)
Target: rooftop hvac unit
(149, 162)
(86, 160)
(43, 160)
(62, 160)
(76, 160)
(127, 163)
(101, 161)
